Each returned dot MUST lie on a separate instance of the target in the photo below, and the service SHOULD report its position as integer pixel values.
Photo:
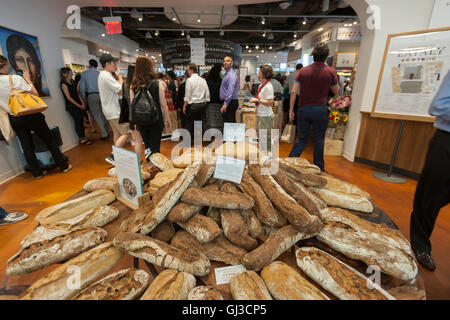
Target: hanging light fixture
(270, 48)
(263, 20)
(262, 51)
(246, 47)
(148, 35)
(270, 36)
(264, 34)
(156, 33)
(355, 22)
(182, 32)
(249, 50)
(304, 21)
(295, 34)
(174, 19)
(199, 19)
(256, 47)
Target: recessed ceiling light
(304, 21)
(103, 35)
(263, 20)
(270, 48)
(174, 19)
(156, 32)
(249, 50)
(256, 47)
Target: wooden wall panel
(377, 137)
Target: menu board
(414, 65)
(198, 51)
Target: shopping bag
(288, 133)
(7, 132)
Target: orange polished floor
(23, 193)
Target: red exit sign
(113, 24)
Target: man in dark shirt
(314, 82)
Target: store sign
(323, 37)
(294, 55)
(198, 51)
(345, 59)
(349, 34)
(113, 24)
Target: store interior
(280, 34)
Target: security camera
(285, 4)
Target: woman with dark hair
(22, 56)
(74, 103)
(86, 114)
(171, 78)
(144, 78)
(213, 116)
(24, 125)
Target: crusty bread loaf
(164, 202)
(285, 283)
(205, 293)
(295, 213)
(113, 173)
(165, 177)
(125, 284)
(203, 175)
(273, 247)
(182, 212)
(263, 208)
(164, 231)
(336, 277)
(170, 285)
(42, 254)
(218, 199)
(62, 284)
(254, 226)
(214, 213)
(371, 243)
(97, 217)
(102, 183)
(220, 249)
(75, 207)
(41, 234)
(302, 165)
(161, 162)
(204, 229)
(248, 286)
(163, 254)
(192, 155)
(335, 184)
(308, 179)
(345, 200)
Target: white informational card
(223, 275)
(198, 51)
(233, 131)
(128, 174)
(229, 169)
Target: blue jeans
(317, 116)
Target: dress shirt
(196, 90)
(229, 87)
(89, 82)
(440, 107)
(109, 95)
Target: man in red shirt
(314, 82)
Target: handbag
(22, 103)
(288, 133)
(6, 130)
(144, 110)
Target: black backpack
(144, 110)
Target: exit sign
(113, 24)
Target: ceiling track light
(182, 32)
(156, 33)
(263, 20)
(264, 34)
(256, 47)
(295, 34)
(304, 21)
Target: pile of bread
(194, 219)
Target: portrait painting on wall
(23, 53)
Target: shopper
(24, 125)
(109, 90)
(180, 99)
(433, 187)
(214, 118)
(125, 112)
(144, 78)
(248, 87)
(229, 92)
(277, 89)
(314, 82)
(264, 102)
(11, 217)
(90, 93)
(74, 104)
(196, 98)
(171, 78)
(86, 114)
(290, 84)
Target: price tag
(223, 275)
(229, 169)
(233, 131)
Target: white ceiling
(208, 15)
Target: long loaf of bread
(161, 161)
(249, 286)
(336, 277)
(301, 164)
(308, 179)
(345, 200)
(335, 184)
(102, 183)
(182, 212)
(170, 285)
(204, 229)
(205, 293)
(217, 199)
(163, 254)
(67, 280)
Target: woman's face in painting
(25, 62)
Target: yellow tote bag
(22, 103)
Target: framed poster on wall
(23, 53)
(413, 67)
(345, 59)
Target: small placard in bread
(170, 285)
(249, 286)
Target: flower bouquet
(339, 108)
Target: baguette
(285, 283)
(220, 249)
(170, 285)
(164, 231)
(126, 284)
(308, 179)
(254, 226)
(295, 213)
(62, 284)
(248, 286)
(75, 207)
(163, 254)
(161, 162)
(335, 184)
(345, 200)
(365, 241)
(182, 212)
(42, 254)
(302, 165)
(273, 247)
(205, 293)
(336, 277)
(214, 213)
(145, 174)
(263, 208)
(41, 234)
(163, 178)
(102, 183)
(204, 229)
(203, 175)
(167, 200)
(217, 199)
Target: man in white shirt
(195, 99)
(109, 89)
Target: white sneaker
(13, 217)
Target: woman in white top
(23, 125)
(264, 102)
